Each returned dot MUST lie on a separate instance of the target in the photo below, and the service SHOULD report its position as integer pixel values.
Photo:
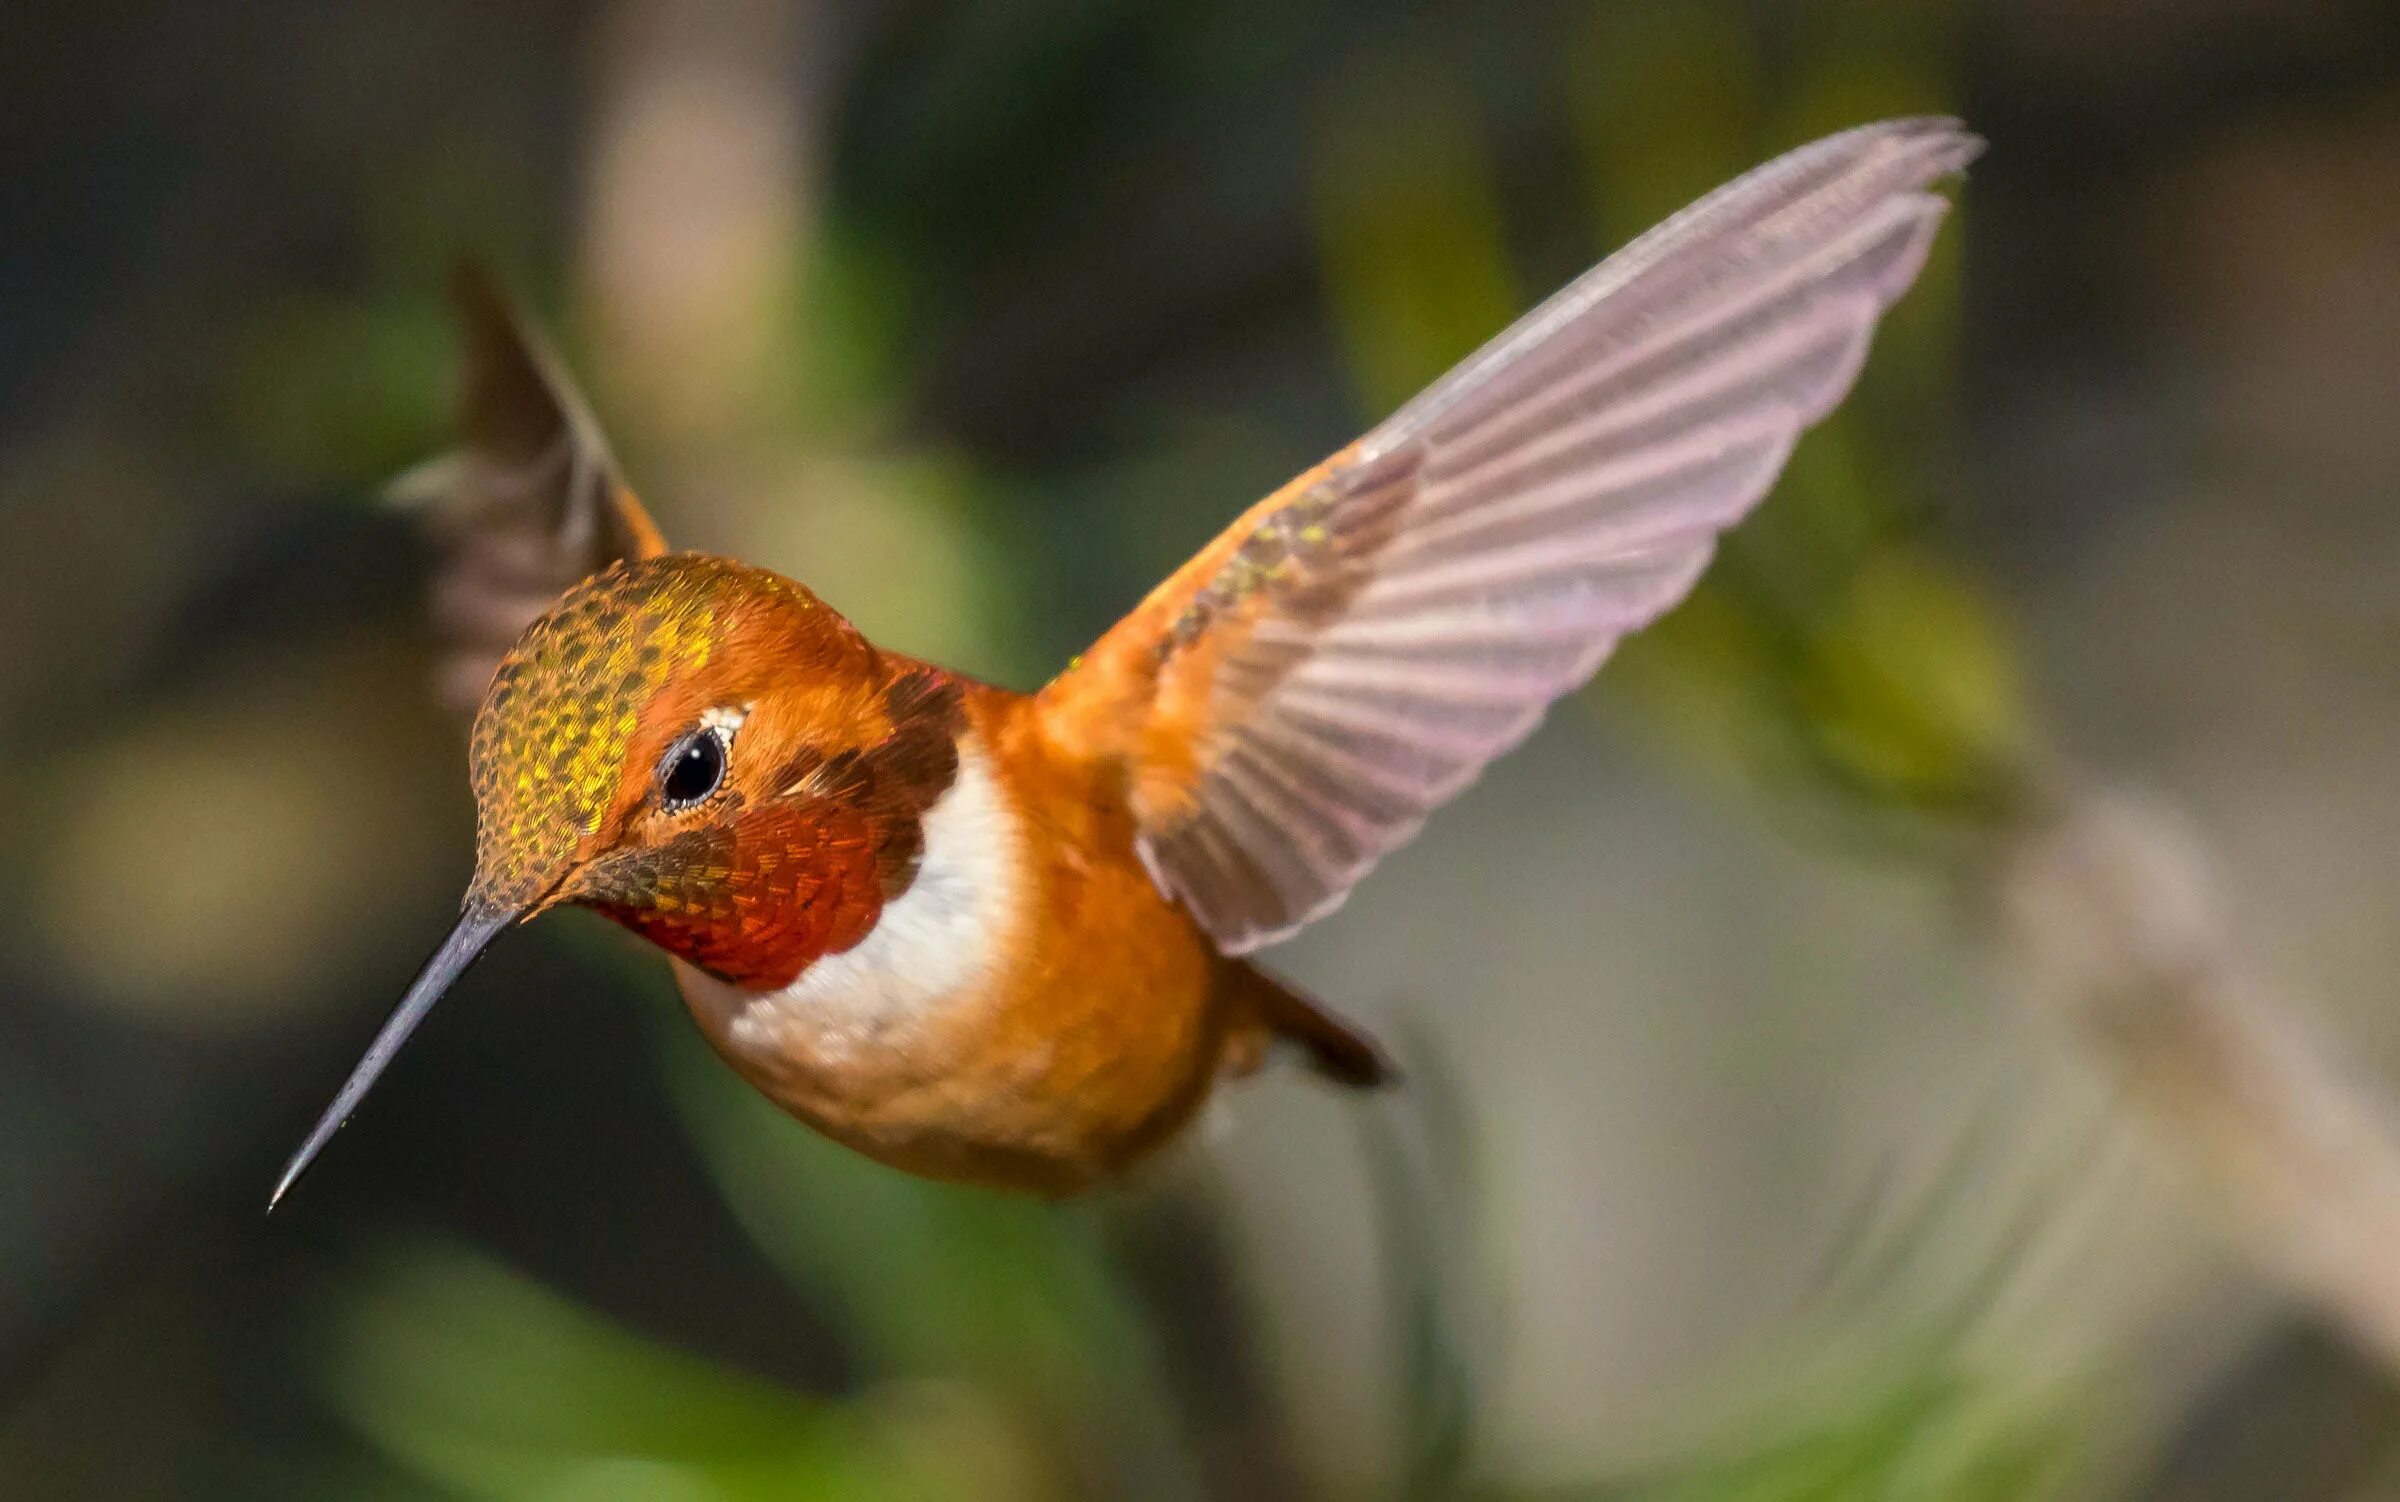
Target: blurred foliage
(1924, 1435)
(492, 1388)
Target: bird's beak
(477, 926)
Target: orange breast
(1039, 1018)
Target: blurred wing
(529, 504)
(1293, 702)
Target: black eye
(694, 768)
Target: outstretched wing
(530, 502)
(1294, 701)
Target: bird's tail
(1337, 1048)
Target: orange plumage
(996, 937)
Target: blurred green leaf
(491, 1387)
(1910, 684)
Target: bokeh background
(1919, 1028)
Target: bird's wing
(527, 505)
(1293, 702)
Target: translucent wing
(1293, 702)
(527, 505)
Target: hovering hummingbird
(1002, 938)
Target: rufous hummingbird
(998, 937)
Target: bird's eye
(693, 769)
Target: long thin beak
(476, 928)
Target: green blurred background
(1734, 1165)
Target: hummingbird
(1006, 938)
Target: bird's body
(911, 913)
(1027, 1011)
(1002, 937)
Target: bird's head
(707, 754)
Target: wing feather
(1293, 703)
(529, 504)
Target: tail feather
(1337, 1048)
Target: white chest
(942, 939)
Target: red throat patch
(754, 902)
